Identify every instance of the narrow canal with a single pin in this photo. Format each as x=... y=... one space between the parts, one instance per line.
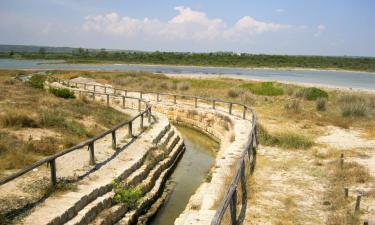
x=190 y=172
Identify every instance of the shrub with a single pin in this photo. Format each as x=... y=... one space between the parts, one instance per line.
x=311 y=93
x=17 y=119
x=293 y=106
x=62 y=92
x=37 y=81
x=130 y=196
x=320 y=104
x=184 y=86
x=263 y=88
x=233 y=93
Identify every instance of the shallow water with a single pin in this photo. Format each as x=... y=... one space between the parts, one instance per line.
x=361 y=80
x=190 y=172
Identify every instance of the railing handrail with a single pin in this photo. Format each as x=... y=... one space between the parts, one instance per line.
x=80 y=145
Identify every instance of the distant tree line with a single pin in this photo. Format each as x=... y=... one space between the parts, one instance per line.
x=81 y=55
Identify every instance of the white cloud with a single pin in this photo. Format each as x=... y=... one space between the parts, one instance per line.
x=321 y=28
x=280 y=10
x=187 y=24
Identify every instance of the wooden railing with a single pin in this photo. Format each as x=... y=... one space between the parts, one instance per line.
x=247 y=160
x=90 y=143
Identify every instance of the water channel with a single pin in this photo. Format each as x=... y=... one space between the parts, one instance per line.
x=190 y=172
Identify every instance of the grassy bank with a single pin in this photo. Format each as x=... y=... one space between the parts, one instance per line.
x=35 y=123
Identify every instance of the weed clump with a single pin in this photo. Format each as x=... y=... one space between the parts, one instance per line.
x=320 y=104
x=356 y=105
x=130 y=196
x=184 y=86
x=232 y=93
x=263 y=88
x=62 y=92
x=12 y=118
x=293 y=106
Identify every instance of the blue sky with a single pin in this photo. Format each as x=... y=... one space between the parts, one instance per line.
x=314 y=27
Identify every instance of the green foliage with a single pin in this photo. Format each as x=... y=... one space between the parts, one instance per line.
x=288 y=140
x=37 y=81
x=130 y=196
x=312 y=93
x=198 y=59
x=263 y=88
x=62 y=92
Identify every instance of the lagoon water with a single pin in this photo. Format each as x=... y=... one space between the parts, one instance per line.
x=360 y=80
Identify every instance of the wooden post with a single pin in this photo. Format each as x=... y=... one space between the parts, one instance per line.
x=140 y=94
x=346 y=192
x=80 y=93
x=126 y=93
x=93 y=96
x=342 y=160
x=175 y=99
x=123 y=102
x=141 y=123
x=195 y=102
x=130 y=129
x=139 y=105
x=157 y=97
x=105 y=90
x=213 y=104
x=358 y=203
x=107 y=99
x=233 y=208
x=244 y=113
x=94 y=88
x=92 y=154
x=53 y=172
x=230 y=108
x=114 y=144
x=149 y=115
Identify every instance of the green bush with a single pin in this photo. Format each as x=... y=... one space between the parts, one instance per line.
x=37 y=81
x=130 y=196
x=62 y=92
x=311 y=93
x=263 y=88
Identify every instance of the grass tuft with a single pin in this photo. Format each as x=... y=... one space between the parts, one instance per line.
x=311 y=93
x=62 y=92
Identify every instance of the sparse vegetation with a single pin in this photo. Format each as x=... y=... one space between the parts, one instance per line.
x=355 y=105
x=293 y=106
x=37 y=81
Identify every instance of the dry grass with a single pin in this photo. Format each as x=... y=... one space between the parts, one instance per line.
x=26 y=107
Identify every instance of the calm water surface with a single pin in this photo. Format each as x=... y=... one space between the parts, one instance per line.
x=333 y=78
x=190 y=172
